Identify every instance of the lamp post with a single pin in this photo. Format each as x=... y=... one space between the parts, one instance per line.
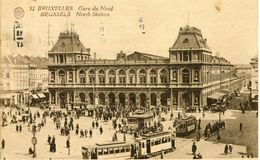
x=34 y=140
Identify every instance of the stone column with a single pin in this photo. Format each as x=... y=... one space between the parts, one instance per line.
x=57 y=99
x=137 y=77
x=148 y=77
x=126 y=99
x=50 y=95
x=126 y=76
x=106 y=99
x=158 y=76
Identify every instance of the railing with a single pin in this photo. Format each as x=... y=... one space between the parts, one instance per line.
x=126 y=62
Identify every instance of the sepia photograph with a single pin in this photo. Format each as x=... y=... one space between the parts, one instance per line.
x=128 y=79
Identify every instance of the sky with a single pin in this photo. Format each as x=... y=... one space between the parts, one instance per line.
x=230 y=26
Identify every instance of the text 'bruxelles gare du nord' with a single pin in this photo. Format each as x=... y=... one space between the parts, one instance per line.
x=82 y=10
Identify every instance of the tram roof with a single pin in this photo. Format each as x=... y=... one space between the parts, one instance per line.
x=156 y=134
x=141 y=116
x=107 y=145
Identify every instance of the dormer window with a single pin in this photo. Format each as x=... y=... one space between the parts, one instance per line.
x=185 y=40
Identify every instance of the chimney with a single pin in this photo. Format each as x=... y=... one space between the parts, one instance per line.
x=94 y=55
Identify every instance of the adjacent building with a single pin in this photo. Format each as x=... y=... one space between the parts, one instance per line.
x=187 y=78
x=21 y=76
x=254 y=82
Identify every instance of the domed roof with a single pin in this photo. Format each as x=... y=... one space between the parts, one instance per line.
x=190 y=38
x=69 y=42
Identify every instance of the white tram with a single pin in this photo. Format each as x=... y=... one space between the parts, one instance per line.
x=113 y=150
x=147 y=145
x=152 y=144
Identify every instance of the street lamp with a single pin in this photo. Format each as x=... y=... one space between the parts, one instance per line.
x=34 y=140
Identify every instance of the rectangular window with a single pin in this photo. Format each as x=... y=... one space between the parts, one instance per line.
x=112 y=151
x=142 y=80
x=117 y=150
x=100 y=151
x=105 y=151
x=121 y=80
x=82 y=80
x=91 y=79
x=174 y=76
x=122 y=149
x=196 y=76
x=61 y=58
x=185 y=56
x=131 y=79
x=70 y=77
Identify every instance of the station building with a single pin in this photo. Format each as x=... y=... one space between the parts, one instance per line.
x=187 y=78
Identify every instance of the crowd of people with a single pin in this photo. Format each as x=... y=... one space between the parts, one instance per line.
x=67 y=124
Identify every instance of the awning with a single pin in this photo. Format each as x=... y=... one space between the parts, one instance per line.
x=35 y=96
x=41 y=95
x=225 y=91
x=216 y=95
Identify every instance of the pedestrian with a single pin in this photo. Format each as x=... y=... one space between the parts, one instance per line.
x=218 y=138
x=17 y=128
x=77 y=131
x=124 y=137
x=241 y=126
x=81 y=133
x=97 y=124
x=93 y=124
x=101 y=130
x=86 y=133
x=20 y=128
x=68 y=143
x=3 y=143
x=194 y=148
x=53 y=140
x=49 y=139
x=90 y=133
x=203 y=114
x=230 y=148
x=226 y=149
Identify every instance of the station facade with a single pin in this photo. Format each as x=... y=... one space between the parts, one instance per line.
x=184 y=79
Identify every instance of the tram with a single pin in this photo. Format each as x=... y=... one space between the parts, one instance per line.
x=113 y=150
x=185 y=126
x=146 y=146
x=152 y=144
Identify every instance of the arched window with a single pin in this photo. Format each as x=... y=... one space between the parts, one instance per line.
x=142 y=76
x=185 y=76
x=70 y=76
x=82 y=76
x=91 y=75
x=52 y=76
x=101 y=77
x=131 y=76
x=112 y=77
x=122 y=76
x=163 y=76
x=62 y=77
x=153 y=76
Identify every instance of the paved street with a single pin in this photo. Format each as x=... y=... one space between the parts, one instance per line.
x=17 y=144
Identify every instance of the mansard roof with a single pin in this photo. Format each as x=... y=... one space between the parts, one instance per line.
x=143 y=56
x=190 y=38
x=69 y=42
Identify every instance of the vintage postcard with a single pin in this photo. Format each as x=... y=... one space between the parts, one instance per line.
x=129 y=79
